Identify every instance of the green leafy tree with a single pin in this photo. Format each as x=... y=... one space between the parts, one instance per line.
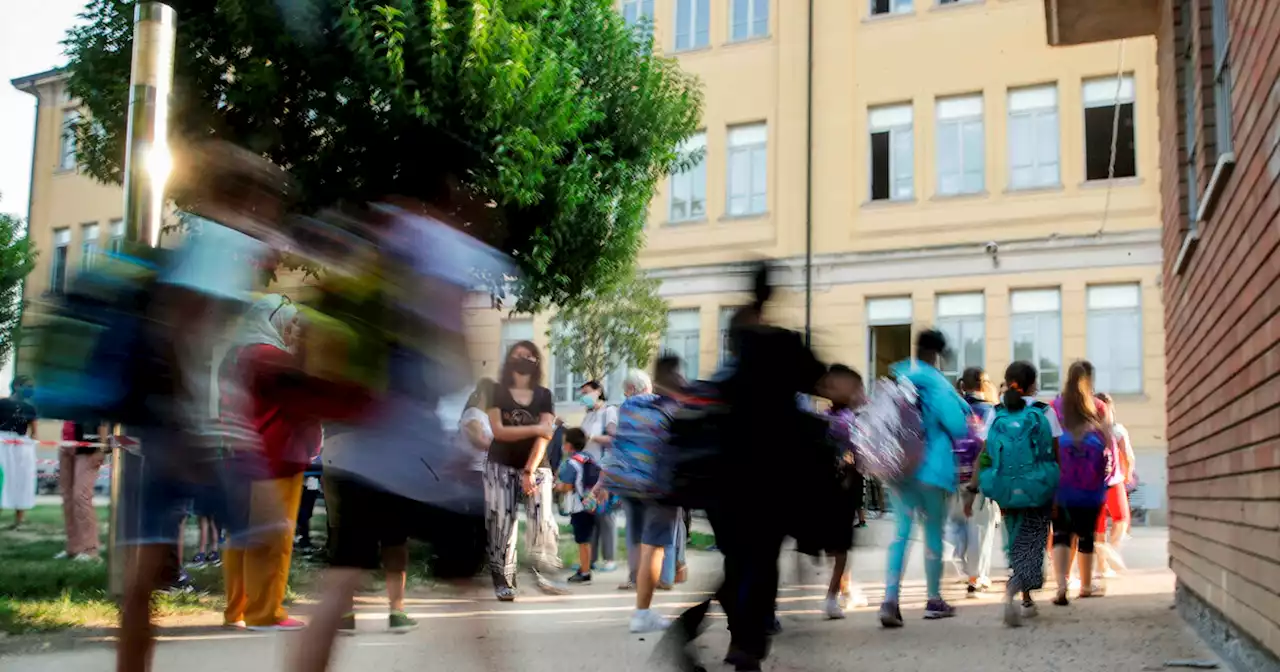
x=548 y=113
x=617 y=325
x=17 y=259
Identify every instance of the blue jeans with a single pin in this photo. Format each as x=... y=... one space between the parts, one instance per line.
x=930 y=503
x=674 y=554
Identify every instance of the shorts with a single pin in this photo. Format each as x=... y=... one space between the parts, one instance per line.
x=166 y=493
x=828 y=527
x=363 y=520
x=584 y=526
x=1077 y=521
x=650 y=523
x=1116 y=507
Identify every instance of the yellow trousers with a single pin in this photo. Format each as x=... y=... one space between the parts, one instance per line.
x=257 y=576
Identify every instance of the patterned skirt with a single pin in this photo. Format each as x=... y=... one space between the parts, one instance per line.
x=1025 y=533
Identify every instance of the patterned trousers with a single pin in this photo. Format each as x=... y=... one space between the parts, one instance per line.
x=503 y=494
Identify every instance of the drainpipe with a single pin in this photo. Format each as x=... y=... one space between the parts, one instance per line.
x=808 y=192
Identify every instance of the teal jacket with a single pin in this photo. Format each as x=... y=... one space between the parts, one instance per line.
x=945 y=418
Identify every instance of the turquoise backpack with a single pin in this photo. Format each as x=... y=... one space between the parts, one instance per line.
x=1023 y=473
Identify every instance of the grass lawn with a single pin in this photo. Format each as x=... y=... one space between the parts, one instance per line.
x=40 y=594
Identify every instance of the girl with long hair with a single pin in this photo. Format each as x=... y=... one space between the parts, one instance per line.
x=522 y=416
x=1087 y=464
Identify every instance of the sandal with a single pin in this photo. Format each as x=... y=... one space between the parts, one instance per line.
x=1061 y=600
x=1093 y=590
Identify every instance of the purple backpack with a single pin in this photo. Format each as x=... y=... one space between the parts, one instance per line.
x=966 y=450
x=889 y=432
x=1085 y=464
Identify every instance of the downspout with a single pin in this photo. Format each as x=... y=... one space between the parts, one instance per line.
x=808 y=193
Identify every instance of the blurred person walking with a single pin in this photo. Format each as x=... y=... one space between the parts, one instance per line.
x=267 y=389
x=78 y=468
x=973 y=536
x=18 y=451
x=522 y=415
x=1116 y=506
x=944 y=416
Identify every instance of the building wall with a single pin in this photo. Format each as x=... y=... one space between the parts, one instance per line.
x=1222 y=315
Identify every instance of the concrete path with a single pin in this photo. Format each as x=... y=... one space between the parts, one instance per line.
x=1133 y=628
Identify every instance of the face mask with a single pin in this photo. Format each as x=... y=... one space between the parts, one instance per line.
x=588 y=401
x=524 y=367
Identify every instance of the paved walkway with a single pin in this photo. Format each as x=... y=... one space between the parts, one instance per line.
x=1133 y=628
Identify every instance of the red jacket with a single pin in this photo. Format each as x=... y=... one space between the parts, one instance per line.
x=284 y=405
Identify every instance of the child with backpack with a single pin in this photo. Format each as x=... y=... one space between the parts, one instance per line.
x=578 y=474
x=1087 y=462
x=1018 y=470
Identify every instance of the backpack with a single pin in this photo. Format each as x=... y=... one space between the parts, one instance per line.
x=966 y=449
x=1087 y=464
x=1022 y=473
x=91 y=355
x=889 y=432
x=692 y=470
x=639 y=447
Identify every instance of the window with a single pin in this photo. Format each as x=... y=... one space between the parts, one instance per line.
x=1033 y=137
x=962 y=318
x=689 y=187
x=1036 y=332
x=681 y=339
x=67 y=148
x=58 y=271
x=514 y=331
x=961 y=163
x=890 y=7
x=726 y=316
x=693 y=24
x=116 y=243
x=1108 y=113
x=748 y=161
x=88 y=245
x=634 y=12
x=1221 y=79
x=1114 y=335
x=892 y=154
x=748 y=19
x=564 y=385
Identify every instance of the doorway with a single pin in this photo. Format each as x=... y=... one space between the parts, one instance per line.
x=890 y=343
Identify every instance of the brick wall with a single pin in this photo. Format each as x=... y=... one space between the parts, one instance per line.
x=1222 y=321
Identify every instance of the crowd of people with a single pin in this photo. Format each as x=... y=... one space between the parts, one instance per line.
x=301 y=383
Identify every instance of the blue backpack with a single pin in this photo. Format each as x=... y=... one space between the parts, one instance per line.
x=1022 y=473
x=637 y=453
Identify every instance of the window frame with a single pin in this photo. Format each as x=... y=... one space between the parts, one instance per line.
x=1119 y=100
x=690 y=365
x=725 y=317
x=694 y=14
x=693 y=174
x=116 y=243
x=639 y=6
x=1037 y=315
x=960 y=123
x=67 y=161
x=1122 y=311
x=1223 y=124
x=896 y=8
x=753 y=150
x=1034 y=115
x=90 y=234
x=59 y=267
x=960 y=320
x=751 y=21
x=895 y=131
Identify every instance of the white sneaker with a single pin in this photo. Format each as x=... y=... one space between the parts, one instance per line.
x=62 y=555
x=1030 y=610
x=85 y=557
x=647 y=620
x=833 y=610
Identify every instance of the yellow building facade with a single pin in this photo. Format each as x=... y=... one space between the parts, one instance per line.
x=951 y=170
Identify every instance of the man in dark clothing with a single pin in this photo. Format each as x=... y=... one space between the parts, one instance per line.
x=770 y=444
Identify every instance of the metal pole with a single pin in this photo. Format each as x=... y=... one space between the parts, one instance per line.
x=808 y=193
x=146 y=168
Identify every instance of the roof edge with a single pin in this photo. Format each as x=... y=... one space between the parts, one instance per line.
x=28 y=83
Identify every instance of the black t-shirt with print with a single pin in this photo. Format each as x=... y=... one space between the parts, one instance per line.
x=16 y=415
x=516 y=453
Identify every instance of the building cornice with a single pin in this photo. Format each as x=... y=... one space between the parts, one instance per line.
x=30 y=83
x=1129 y=248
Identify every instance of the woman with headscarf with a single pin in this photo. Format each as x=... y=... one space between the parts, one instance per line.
x=262 y=385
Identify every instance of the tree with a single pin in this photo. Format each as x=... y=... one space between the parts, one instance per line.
x=617 y=325
x=549 y=112
x=17 y=259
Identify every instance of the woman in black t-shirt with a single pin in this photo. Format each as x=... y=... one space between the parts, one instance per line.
x=522 y=415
